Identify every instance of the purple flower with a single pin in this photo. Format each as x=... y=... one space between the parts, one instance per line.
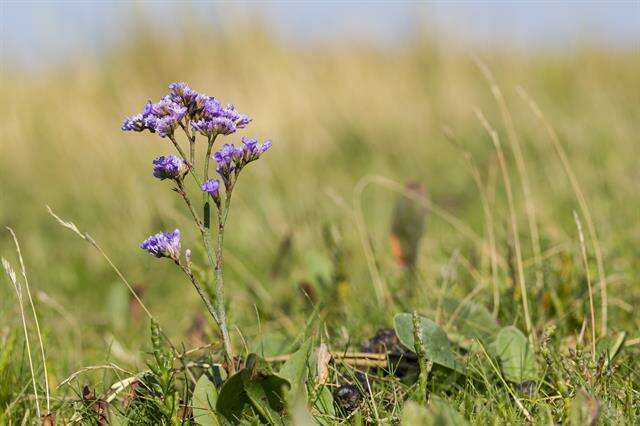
x=163 y=244
x=212 y=187
x=227 y=158
x=206 y=114
x=216 y=120
x=161 y=117
x=252 y=150
x=169 y=167
x=183 y=94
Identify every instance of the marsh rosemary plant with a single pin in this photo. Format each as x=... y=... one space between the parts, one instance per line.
x=191 y=113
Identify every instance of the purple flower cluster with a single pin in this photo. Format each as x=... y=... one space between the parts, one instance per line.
x=169 y=167
x=231 y=158
x=206 y=114
x=164 y=244
x=216 y=120
x=212 y=187
x=161 y=117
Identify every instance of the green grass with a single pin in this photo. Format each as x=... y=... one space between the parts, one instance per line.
x=310 y=216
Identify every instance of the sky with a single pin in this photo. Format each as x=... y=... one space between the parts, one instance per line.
x=36 y=33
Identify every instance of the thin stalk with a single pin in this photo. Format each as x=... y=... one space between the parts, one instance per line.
x=582 y=201
x=513 y=219
x=204 y=231
x=220 y=306
x=35 y=317
x=183 y=193
x=583 y=250
x=206 y=206
x=207 y=157
x=18 y=289
x=521 y=167
x=192 y=171
x=180 y=151
x=85 y=236
x=192 y=142
x=425 y=366
x=200 y=290
x=484 y=200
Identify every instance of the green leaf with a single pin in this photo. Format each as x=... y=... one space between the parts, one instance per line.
x=516 y=355
x=255 y=385
x=204 y=399
x=232 y=398
x=296 y=367
x=324 y=406
x=437 y=413
x=436 y=344
x=472 y=320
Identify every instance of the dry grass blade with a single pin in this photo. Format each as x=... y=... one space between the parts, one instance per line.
x=521 y=167
x=35 y=318
x=513 y=219
x=488 y=217
x=582 y=201
x=18 y=289
x=72 y=226
x=583 y=250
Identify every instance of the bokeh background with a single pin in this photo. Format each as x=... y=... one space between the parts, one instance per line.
x=344 y=90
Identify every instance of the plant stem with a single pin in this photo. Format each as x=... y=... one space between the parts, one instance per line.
x=200 y=291
x=220 y=308
x=192 y=142
x=425 y=366
x=183 y=193
x=192 y=171
x=207 y=158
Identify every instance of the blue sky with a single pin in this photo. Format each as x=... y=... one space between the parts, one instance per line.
x=40 y=32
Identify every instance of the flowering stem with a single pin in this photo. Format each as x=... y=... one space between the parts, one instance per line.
x=210 y=143
x=192 y=141
x=180 y=151
x=220 y=308
x=180 y=190
x=184 y=157
x=204 y=232
x=200 y=291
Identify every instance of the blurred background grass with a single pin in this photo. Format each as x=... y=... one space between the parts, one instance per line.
x=336 y=111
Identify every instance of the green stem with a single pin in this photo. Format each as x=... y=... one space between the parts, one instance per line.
x=220 y=306
x=201 y=292
x=183 y=193
x=192 y=171
x=424 y=364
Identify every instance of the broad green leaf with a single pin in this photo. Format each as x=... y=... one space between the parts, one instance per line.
x=255 y=385
x=472 y=320
x=204 y=399
x=296 y=367
x=515 y=355
x=437 y=345
x=232 y=398
x=437 y=413
x=324 y=406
